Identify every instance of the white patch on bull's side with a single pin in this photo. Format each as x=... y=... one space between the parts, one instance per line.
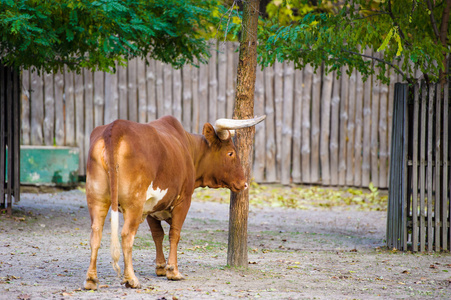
x=153 y=196
x=156 y=193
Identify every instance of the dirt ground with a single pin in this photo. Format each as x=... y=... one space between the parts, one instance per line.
x=293 y=254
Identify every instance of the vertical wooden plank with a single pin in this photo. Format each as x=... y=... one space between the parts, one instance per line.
x=306 y=133
x=326 y=96
x=438 y=161
x=375 y=96
x=287 y=123
x=222 y=82
x=177 y=94
x=351 y=129
x=195 y=91
x=334 y=134
x=203 y=96
x=111 y=110
x=343 y=127
x=37 y=109
x=132 y=90
x=429 y=166
x=122 y=92
x=315 y=113
x=231 y=79
x=142 y=91
x=383 y=152
x=16 y=138
x=358 y=131
x=393 y=78
x=404 y=213
x=25 y=112
x=187 y=97
x=423 y=125
x=80 y=121
x=446 y=211
x=3 y=112
x=366 y=158
x=58 y=80
x=9 y=136
x=167 y=87
x=99 y=97
x=151 y=96
x=212 y=86
x=159 y=66
x=271 y=171
x=416 y=109
x=259 y=149
x=297 y=126
x=89 y=109
x=278 y=108
x=70 y=107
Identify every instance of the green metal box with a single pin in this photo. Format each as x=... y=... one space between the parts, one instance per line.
x=48 y=165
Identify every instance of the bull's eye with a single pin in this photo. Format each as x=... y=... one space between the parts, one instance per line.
x=230 y=154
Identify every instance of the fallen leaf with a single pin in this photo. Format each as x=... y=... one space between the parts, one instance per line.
x=433 y=267
x=405 y=272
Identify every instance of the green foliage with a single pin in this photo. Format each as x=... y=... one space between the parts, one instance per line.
x=402 y=29
x=96 y=34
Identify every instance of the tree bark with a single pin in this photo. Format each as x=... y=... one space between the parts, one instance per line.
x=244 y=109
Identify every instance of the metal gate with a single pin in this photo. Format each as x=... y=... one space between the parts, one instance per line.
x=419 y=201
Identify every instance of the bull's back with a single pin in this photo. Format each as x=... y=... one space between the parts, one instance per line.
x=140 y=153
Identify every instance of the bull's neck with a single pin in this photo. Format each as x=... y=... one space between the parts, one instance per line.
x=198 y=147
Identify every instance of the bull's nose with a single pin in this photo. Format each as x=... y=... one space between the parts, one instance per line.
x=246 y=186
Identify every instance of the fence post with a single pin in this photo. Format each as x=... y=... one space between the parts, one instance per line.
x=397 y=199
x=9 y=137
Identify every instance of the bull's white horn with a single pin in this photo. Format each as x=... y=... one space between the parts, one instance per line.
x=222 y=126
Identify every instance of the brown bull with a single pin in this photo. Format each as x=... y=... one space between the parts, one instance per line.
x=150 y=171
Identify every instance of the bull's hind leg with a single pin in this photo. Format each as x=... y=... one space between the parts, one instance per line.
x=132 y=218
x=158 y=236
x=98 y=210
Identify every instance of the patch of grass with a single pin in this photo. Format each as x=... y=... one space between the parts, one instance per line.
x=303 y=197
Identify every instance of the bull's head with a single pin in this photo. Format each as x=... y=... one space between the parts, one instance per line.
x=222 y=166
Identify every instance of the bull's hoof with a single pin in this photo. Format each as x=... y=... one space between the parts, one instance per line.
x=173 y=274
x=91 y=284
x=132 y=283
x=160 y=269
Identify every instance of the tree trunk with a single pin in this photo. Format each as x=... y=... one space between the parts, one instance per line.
x=244 y=109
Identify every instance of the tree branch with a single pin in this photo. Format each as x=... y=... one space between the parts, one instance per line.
x=392 y=16
x=396 y=68
x=433 y=22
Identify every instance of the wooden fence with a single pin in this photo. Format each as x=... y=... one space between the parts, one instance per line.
x=419 y=200
x=319 y=129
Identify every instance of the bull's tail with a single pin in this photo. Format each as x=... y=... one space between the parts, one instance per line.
x=112 y=171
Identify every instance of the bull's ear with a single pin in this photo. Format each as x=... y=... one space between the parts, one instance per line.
x=209 y=133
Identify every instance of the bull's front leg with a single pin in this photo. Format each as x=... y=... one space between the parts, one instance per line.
x=158 y=236
x=178 y=217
